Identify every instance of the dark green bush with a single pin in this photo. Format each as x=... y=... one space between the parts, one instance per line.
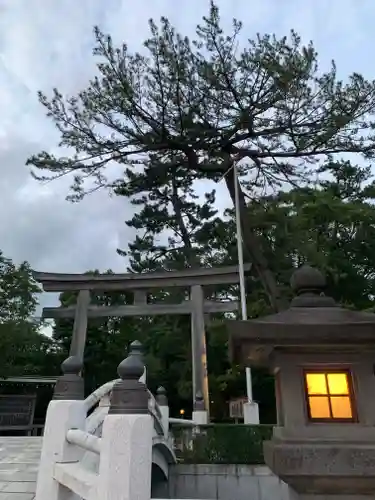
x=221 y=443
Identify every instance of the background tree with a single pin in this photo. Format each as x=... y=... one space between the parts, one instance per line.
x=202 y=105
x=17 y=291
x=330 y=226
x=171 y=211
x=24 y=350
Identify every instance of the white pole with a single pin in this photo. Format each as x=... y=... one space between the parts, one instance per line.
x=249 y=388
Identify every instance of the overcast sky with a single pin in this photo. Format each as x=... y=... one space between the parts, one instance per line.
x=48 y=43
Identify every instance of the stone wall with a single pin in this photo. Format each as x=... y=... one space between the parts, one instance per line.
x=226 y=482
x=233 y=482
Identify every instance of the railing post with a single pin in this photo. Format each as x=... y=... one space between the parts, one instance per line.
x=70 y=386
x=162 y=401
x=126 y=449
x=65 y=411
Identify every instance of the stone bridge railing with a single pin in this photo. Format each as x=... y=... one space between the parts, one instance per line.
x=101 y=396
x=125 y=445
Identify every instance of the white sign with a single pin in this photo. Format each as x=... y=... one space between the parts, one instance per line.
x=236 y=407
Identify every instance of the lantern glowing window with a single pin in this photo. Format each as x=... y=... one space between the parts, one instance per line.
x=329 y=396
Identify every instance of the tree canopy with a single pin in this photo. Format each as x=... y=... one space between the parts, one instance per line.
x=17 y=291
x=24 y=350
x=185 y=110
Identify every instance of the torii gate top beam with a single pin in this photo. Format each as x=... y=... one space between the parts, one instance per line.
x=59 y=282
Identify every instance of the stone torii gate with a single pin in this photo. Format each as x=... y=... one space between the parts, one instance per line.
x=140 y=284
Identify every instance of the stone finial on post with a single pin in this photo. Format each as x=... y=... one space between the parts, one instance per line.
x=70 y=385
x=200 y=415
x=137 y=350
x=126 y=452
x=161 y=396
x=129 y=395
x=162 y=401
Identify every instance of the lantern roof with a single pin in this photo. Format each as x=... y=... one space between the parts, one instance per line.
x=313 y=319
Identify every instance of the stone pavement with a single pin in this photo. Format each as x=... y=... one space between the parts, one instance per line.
x=19 y=460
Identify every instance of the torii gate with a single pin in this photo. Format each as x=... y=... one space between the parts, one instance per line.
x=140 y=284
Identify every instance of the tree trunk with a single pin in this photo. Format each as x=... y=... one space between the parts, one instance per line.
x=253 y=246
x=188 y=247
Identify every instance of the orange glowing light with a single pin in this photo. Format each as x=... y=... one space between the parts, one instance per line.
x=328 y=396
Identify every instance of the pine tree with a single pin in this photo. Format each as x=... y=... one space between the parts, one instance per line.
x=210 y=102
x=170 y=219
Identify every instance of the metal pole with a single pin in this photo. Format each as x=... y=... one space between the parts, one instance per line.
x=249 y=389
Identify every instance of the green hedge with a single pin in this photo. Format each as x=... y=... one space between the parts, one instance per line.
x=221 y=443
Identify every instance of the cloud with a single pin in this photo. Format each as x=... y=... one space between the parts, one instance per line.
x=50 y=48
x=46 y=44
x=38 y=225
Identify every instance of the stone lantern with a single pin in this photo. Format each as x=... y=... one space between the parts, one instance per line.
x=323 y=360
